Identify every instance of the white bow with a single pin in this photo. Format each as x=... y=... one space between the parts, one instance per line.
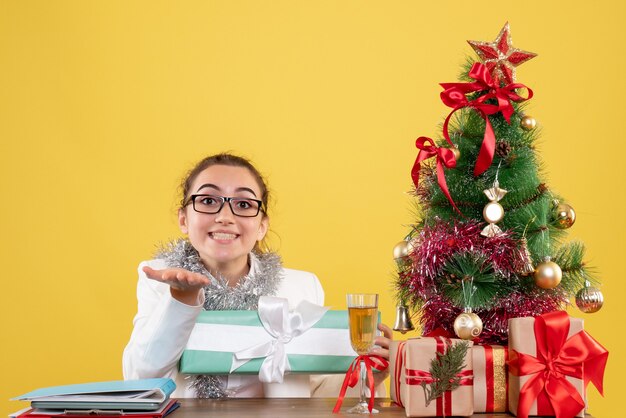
x=282 y=326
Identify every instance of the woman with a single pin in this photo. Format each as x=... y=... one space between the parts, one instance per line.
x=223 y=213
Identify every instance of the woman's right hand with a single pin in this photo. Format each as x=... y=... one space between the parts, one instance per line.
x=185 y=285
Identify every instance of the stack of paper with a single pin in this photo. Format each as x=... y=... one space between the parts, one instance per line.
x=144 y=398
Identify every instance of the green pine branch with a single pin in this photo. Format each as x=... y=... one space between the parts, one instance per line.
x=469 y=281
x=445 y=369
x=570 y=258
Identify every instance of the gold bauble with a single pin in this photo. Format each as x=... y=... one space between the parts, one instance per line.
x=528 y=123
x=456 y=152
x=564 y=216
x=548 y=274
x=493 y=212
x=589 y=299
x=402 y=250
x=468 y=326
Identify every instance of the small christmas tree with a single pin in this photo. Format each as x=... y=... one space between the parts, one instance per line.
x=488 y=244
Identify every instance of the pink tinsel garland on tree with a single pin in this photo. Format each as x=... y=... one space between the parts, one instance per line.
x=436 y=244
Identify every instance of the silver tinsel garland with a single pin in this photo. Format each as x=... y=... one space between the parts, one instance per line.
x=263 y=279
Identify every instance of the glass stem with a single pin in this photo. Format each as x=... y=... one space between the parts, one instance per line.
x=363 y=385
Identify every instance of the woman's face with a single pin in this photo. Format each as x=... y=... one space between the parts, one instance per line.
x=223 y=239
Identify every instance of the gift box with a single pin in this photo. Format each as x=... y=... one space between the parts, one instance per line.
x=410 y=363
x=270 y=341
x=551 y=360
x=395 y=369
x=490 y=378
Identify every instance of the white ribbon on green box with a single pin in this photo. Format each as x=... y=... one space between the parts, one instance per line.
x=270 y=341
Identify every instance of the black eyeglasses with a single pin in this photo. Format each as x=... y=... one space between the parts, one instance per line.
x=239 y=206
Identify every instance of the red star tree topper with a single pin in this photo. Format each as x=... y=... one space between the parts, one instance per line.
x=500 y=56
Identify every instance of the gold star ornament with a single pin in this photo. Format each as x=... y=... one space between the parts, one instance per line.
x=500 y=56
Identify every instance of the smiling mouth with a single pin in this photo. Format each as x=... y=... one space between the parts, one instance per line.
x=222 y=236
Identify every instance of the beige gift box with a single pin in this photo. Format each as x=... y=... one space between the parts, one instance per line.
x=413 y=356
x=522 y=339
x=490 y=378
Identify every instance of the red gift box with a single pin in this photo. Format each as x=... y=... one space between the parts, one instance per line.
x=490 y=378
x=410 y=364
x=551 y=361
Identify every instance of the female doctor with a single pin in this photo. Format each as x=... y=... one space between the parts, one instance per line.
x=219 y=266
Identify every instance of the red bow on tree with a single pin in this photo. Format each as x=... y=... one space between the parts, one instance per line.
x=580 y=356
x=454 y=96
x=445 y=157
x=353 y=374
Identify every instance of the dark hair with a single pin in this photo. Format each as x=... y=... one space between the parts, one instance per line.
x=223 y=159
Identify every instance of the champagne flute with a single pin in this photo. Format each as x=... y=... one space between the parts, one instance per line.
x=363 y=315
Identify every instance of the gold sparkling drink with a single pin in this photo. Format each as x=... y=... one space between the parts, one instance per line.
x=363 y=322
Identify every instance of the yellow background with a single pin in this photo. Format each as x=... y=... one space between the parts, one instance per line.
x=104 y=106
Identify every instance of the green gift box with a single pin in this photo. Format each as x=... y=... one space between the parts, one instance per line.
x=219 y=337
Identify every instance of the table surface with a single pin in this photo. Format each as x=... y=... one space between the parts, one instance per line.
x=294 y=407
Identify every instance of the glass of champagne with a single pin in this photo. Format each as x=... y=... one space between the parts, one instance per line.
x=363 y=315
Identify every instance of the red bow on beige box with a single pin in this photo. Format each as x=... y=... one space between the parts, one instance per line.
x=579 y=356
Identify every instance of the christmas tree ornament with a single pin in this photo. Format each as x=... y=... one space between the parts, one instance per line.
x=528 y=123
x=548 y=274
x=468 y=325
x=528 y=268
x=456 y=152
x=402 y=250
x=564 y=216
x=403 y=319
x=500 y=56
x=493 y=212
x=589 y=299
x=503 y=149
